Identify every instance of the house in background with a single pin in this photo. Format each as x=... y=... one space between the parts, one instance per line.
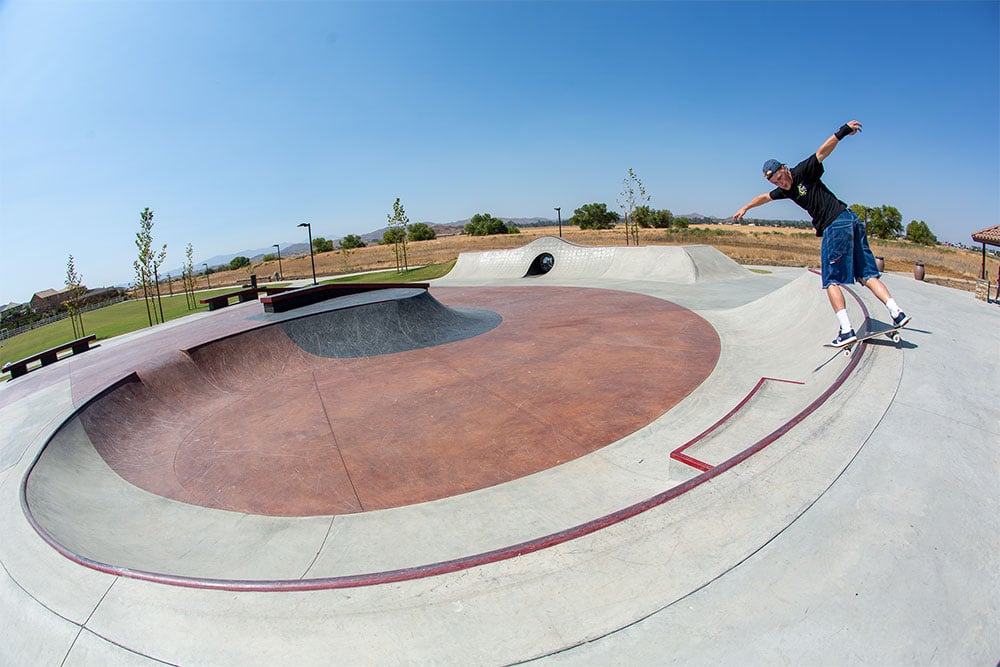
x=12 y=308
x=53 y=300
x=48 y=300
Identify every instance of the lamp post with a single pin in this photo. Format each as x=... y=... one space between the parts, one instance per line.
x=207 y=277
x=281 y=274
x=559 y=215
x=311 y=260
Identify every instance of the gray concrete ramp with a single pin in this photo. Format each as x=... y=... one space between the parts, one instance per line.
x=665 y=264
x=790 y=505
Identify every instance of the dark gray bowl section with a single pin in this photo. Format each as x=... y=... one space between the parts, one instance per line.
x=395 y=325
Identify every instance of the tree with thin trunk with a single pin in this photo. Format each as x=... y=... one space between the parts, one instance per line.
x=146 y=264
x=632 y=195
x=188 y=274
x=398 y=226
x=74 y=290
x=157 y=263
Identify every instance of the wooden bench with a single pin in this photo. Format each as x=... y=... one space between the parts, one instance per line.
x=49 y=356
x=222 y=300
x=246 y=293
x=305 y=296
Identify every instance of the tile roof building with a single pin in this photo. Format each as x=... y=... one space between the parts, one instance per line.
x=988 y=236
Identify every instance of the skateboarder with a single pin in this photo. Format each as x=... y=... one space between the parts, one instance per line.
x=844 y=252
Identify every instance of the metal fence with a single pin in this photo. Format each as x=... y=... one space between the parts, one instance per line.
x=61 y=315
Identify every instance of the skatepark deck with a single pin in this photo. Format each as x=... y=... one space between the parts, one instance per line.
x=846 y=509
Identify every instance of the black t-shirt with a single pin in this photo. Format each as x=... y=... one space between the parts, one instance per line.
x=811 y=194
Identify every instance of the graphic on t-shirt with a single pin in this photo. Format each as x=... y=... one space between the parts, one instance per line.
x=802 y=190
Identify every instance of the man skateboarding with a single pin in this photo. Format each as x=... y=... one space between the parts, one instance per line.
x=844 y=252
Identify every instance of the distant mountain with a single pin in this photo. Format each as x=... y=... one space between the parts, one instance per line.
x=253 y=255
x=456 y=227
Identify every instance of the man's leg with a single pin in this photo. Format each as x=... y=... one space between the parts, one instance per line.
x=879 y=289
x=868 y=274
x=836 y=255
x=836 y=296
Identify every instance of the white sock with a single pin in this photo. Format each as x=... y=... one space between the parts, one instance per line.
x=845 y=321
x=893 y=308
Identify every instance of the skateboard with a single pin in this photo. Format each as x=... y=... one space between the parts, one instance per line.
x=892 y=333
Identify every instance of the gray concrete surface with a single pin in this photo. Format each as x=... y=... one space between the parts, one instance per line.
x=868 y=533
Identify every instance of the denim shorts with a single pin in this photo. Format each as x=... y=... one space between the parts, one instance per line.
x=845 y=254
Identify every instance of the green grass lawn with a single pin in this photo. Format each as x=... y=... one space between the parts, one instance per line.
x=104 y=322
x=129 y=316
x=423 y=274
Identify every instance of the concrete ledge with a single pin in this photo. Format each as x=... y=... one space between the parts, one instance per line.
x=305 y=296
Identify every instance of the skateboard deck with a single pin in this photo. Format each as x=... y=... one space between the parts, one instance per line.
x=892 y=333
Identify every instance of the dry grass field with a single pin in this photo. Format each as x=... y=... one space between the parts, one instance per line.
x=761 y=246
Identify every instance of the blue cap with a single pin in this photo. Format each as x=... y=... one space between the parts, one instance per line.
x=770 y=167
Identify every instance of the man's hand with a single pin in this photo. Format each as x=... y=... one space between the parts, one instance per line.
x=759 y=200
x=847 y=129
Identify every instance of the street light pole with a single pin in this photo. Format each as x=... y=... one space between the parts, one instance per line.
x=281 y=274
x=207 y=277
x=559 y=214
x=311 y=260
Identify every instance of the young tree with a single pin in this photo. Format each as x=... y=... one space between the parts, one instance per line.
x=147 y=267
x=144 y=262
x=399 y=222
x=594 y=216
x=188 y=273
x=75 y=290
x=628 y=199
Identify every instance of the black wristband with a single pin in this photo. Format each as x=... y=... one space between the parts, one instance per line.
x=844 y=130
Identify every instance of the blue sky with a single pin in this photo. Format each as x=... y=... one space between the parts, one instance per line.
x=235 y=120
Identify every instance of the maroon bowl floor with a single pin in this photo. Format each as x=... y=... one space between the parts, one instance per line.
x=253 y=424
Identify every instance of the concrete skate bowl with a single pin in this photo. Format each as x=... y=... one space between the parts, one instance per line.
x=233 y=457
x=551 y=259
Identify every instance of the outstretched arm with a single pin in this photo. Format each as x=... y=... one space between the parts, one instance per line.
x=846 y=129
x=759 y=200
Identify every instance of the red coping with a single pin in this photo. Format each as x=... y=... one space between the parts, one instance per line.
x=679 y=455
